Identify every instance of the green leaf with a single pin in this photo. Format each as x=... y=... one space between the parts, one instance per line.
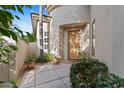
x=20 y=9
x=19 y=31
x=6 y=18
x=13 y=47
x=5 y=62
x=17 y=17
x=9 y=7
x=29 y=35
x=13 y=83
x=28 y=6
x=13 y=35
x=7 y=50
x=4 y=32
x=9 y=34
x=13 y=7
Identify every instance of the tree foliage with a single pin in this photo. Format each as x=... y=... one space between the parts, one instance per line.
x=6 y=51
x=7 y=29
x=30 y=37
x=6 y=22
x=6 y=19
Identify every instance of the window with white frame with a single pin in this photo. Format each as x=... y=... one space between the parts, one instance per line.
x=46 y=46
x=46 y=36
x=46 y=40
x=46 y=33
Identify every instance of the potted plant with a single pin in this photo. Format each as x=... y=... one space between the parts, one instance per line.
x=30 y=62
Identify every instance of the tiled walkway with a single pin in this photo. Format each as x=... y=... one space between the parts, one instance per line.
x=47 y=76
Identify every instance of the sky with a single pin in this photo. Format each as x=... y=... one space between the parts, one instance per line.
x=25 y=20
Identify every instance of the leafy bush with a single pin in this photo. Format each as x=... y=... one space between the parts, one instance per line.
x=39 y=59
x=30 y=37
x=31 y=59
x=84 y=74
x=6 y=51
x=109 y=81
x=90 y=73
x=47 y=57
x=84 y=54
x=8 y=84
x=13 y=84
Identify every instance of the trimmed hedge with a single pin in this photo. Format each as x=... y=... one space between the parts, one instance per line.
x=90 y=73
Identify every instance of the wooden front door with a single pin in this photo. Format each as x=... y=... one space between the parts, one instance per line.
x=73 y=44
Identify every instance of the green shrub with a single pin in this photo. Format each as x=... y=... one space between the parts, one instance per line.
x=84 y=54
x=39 y=59
x=31 y=59
x=110 y=81
x=84 y=74
x=13 y=84
x=8 y=84
x=47 y=57
x=30 y=37
x=90 y=73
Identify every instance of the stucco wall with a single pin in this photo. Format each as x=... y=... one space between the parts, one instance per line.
x=118 y=40
x=21 y=55
x=63 y=15
x=110 y=36
x=32 y=48
x=4 y=72
x=25 y=49
x=10 y=72
x=103 y=34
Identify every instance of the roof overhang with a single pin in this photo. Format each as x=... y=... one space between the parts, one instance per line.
x=50 y=8
x=35 y=19
x=46 y=18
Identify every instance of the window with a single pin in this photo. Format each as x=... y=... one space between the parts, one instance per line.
x=45 y=33
x=93 y=38
x=46 y=28
x=46 y=40
x=45 y=46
